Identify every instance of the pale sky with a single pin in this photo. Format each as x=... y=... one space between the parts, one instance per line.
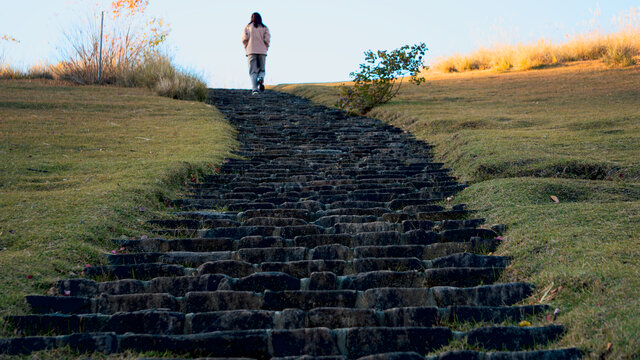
x=312 y=41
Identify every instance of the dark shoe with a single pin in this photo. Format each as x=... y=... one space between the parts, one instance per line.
x=261 y=84
x=255 y=92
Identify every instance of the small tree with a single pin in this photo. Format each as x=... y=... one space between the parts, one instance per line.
x=380 y=77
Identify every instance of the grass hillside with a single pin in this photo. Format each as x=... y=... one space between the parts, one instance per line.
x=80 y=165
x=571 y=131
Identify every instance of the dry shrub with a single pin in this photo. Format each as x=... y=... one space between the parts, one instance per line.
x=158 y=73
x=122 y=49
x=447 y=64
x=502 y=59
x=591 y=46
x=40 y=71
x=149 y=72
x=9 y=72
x=6 y=70
x=35 y=72
x=128 y=59
x=475 y=61
x=623 y=47
x=182 y=86
x=620 y=55
x=535 y=57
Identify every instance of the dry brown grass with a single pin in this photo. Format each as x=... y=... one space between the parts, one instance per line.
x=618 y=49
x=38 y=71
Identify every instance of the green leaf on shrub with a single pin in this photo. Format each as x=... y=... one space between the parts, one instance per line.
x=380 y=77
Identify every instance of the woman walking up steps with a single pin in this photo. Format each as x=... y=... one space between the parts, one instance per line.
x=256 y=38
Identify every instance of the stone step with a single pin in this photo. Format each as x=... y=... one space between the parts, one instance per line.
x=206 y=215
x=377 y=211
x=441 y=215
x=309 y=205
x=305 y=268
x=135 y=271
x=289 y=213
x=259 y=281
x=156 y=245
x=408 y=225
x=175 y=323
x=240 y=206
x=149 y=261
x=438 y=256
x=287 y=232
x=426 y=252
x=349 y=342
x=357 y=204
x=369 y=227
x=402 y=204
x=273 y=221
x=202 y=301
x=296 y=236
x=330 y=221
x=183 y=258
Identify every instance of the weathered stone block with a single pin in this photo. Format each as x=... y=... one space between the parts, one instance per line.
x=147 y=322
x=316 y=342
x=368 y=341
x=232 y=268
x=306 y=300
x=331 y=252
x=387 y=298
x=382 y=279
x=59 y=304
x=222 y=300
x=411 y=317
x=513 y=337
x=323 y=280
x=230 y=320
x=111 y=304
x=336 y=318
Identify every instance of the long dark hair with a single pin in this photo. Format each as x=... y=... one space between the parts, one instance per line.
x=256 y=20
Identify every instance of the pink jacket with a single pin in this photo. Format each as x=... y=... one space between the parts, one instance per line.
x=256 y=39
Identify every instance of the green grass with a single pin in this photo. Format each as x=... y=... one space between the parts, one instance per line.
x=586 y=244
x=81 y=165
x=518 y=138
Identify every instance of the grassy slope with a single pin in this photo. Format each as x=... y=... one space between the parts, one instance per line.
x=520 y=137
x=109 y=155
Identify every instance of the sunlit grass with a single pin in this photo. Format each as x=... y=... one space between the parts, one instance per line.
x=571 y=131
x=618 y=49
x=82 y=164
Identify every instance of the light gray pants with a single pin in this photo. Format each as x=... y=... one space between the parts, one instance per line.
x=256 y=68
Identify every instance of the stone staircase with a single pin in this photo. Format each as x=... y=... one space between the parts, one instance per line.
x=326 y=237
